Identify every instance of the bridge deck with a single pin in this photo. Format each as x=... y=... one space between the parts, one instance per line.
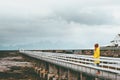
x=109 y=67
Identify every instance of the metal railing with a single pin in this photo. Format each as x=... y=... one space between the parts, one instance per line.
x=74 y=61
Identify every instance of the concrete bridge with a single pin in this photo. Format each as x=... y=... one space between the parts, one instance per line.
x=60 y=66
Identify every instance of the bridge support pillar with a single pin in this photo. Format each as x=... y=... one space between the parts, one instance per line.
x=63 y=74
x=53 y=71
x=72 y=75
x=81 y=76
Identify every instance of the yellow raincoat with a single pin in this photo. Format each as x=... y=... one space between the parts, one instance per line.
x=97 y=55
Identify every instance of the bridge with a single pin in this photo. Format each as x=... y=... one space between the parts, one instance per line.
x=74 y=66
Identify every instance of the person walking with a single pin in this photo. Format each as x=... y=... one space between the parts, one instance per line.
x=97 y=56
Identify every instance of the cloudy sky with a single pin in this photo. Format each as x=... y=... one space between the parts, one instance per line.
x=58 y=24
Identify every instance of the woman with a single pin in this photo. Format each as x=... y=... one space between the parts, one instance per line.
x=97 y=56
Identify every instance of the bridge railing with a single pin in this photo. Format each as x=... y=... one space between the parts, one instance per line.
x=74 y=61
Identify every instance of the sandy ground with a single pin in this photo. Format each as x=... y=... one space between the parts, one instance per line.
x=14 y=66
x=8 y=62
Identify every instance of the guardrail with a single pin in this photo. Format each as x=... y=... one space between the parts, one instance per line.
x=74 y=61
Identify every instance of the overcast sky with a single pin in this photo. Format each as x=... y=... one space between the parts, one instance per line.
x=58 y=24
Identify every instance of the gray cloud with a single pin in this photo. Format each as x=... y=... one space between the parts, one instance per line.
x=94 y=17
x=57 y=24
